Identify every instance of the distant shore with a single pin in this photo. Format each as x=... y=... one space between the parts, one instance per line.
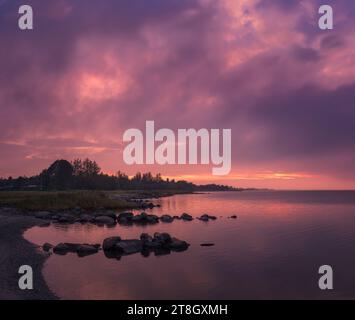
x=89 y=200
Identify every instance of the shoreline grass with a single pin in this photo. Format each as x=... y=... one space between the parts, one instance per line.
x=61 y=200
x=85 y=199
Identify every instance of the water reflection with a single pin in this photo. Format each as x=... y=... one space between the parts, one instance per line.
x=273 y=250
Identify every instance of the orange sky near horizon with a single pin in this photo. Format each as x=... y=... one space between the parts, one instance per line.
x=91 y=70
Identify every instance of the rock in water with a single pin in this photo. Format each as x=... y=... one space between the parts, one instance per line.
x=61 y=249
x=161 y=251
x=104 y=220
x=207 y=244
x=125 y=218
x=166 y=218
x=140 y=218
x=147 y=205
x=186 y=217
x=145 y=218
x=129 y=246
x=152 y=219
x=87 y=249
x=206 y=217
x=178 y=245
x=151 y=245
x=84 y=218
x=145 y=237
x=72 y=247
x=162 y=237
x=81 y=249
x=127 y=215
x=47 y=247
x=110 y=243
x=110 y=214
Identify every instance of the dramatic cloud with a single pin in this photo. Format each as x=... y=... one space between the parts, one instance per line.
x=92 y=69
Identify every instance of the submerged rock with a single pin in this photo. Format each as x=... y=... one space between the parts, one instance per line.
x=152 y=245
x=125 y=215
x=84 y=218
x=161 y=251
x=125 y=218
x=81 y=249
x=115 y=247
x=186 y=217
x=112 y=254
x=166 y=218
x=162 y=237
x=152 y=219
x=177 y=245
x=61 y=249
x=87 y=249
x=72 y=247
x=125 y=221
x=144 y=218
x=129 y=246
x=110 y=214
x=139 y=218
x=207 y=244
x=47 y=247
x=104 y=220
x=110 y=243
x=206 y=217
x=162 y=244
x=146 y=205
x=165 y=241
x=145 y=237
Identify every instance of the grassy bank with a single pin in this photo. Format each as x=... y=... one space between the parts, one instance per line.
x=64 y=200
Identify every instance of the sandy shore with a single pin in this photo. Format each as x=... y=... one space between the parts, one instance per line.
x=16 y=251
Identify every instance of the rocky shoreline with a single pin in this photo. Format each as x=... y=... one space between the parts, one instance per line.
x=115 y=247
x=15 y=251
x=111 y=218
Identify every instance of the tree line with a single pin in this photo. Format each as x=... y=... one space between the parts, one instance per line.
x=87 y=175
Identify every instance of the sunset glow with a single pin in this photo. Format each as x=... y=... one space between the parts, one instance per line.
x=261 y=68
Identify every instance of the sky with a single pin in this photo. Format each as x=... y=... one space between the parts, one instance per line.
x=92 y=69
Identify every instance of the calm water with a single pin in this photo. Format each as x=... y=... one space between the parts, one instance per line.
x=273 y=250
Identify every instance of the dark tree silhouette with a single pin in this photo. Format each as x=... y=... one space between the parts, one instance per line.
x=58 y=175
x=86 y=168
x=86 y=174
